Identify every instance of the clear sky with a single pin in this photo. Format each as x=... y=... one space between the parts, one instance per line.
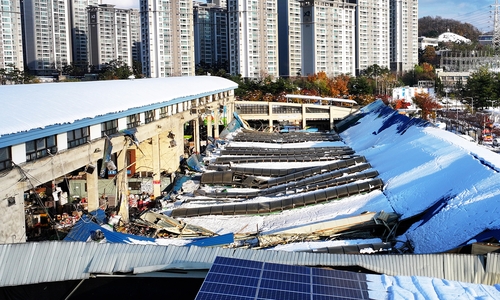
x=477 y=12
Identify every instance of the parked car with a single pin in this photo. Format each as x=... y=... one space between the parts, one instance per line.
x=496 y=141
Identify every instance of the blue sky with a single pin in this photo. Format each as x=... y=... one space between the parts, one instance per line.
x=477 y=12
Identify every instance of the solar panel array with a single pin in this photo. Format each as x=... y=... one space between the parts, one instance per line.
x=231 y=278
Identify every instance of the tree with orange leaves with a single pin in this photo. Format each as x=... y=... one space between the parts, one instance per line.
x=330 y=87
x=427 y=104
x=401 y=104
x=339 y=86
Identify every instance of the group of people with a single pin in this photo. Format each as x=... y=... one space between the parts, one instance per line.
x=142 y=201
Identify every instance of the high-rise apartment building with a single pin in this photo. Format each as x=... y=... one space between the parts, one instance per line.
x=404 y=35
x=135 y=35
x=79 y=31
x=372 y=34
x=210 y=34
x=11 y=43
x=328 y=37
x=47 y=35
x=167 y=38
x=110 y=35
x=289 y=39
x=253 y=38
x=221 y=3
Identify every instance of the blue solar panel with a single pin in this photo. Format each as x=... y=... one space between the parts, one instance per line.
x=235 y=279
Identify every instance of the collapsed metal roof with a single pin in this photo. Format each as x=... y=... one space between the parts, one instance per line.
x=52 y=261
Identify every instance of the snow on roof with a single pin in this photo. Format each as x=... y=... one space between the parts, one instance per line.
x=424 y=167
x=425 y=170
x=452 y=37
x=30 y=106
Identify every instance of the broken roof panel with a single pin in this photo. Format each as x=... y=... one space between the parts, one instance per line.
x=85 y=230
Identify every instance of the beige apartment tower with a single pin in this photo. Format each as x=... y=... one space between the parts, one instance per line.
x=373 y=37
x=111 y=34
x=11 y=43
x=328 y=37
x=404 y=35
x=80 y=32
x=253 y=38
x=47 y=35
x=290 y=50
x=167 y=38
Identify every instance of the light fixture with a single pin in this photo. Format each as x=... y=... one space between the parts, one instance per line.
x=171 y=135
x=90 y=168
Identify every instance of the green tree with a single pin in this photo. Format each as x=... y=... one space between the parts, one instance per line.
x=219 y=68
x=115 y=69
x=360 y=86
x=75 y=69
x=482 y=86
x=376 y=73
x=17 y=76
x=3 y=76
x=137 y=69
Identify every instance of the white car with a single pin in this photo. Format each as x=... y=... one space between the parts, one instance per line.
x=496 y=141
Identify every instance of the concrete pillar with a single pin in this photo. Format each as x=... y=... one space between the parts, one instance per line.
x=332 y=124
x=196 y=134
x=12 y=218
x=229 y=111
x=270 y=113
x=156 y=165
x=304 y=110
x=122 y=183
x=92 y=188
x=210 y=131
x=216 y=125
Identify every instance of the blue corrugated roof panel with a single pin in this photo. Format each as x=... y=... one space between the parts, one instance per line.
x=84 y=228
x=213 y=241
x=99 y=215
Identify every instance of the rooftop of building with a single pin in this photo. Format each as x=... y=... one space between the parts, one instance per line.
x=29 y=109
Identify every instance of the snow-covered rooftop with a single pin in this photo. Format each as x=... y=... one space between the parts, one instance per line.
x=453 y=182
x=30 y=106
x=452 y=37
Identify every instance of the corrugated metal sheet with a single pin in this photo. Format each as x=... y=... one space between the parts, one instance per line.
x=492 y=272
x=83 y=229
x=54 y=261
x=218 y=240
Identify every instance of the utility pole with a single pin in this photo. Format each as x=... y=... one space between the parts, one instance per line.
x=496 y=26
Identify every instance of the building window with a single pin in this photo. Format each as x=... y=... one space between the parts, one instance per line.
x=149 y=116
x=109 y=127
x=5 y=158
x=133 y=120
x=41 y=147
x=163 y=112
x=78 y=137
